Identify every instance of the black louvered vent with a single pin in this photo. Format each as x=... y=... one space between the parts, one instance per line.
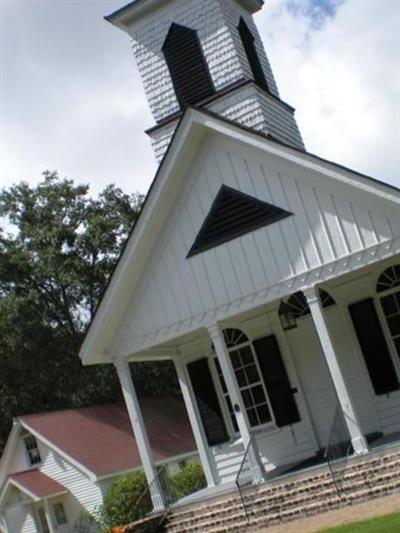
x=252 y=55
x=187 y=65
x=232 y=214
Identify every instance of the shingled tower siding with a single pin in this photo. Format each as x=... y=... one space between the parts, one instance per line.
x=236 y=95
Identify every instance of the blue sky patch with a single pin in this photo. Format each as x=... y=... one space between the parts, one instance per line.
x=316 y=10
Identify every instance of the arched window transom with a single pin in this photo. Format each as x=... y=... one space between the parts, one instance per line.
x=299 y=304
x=389 y=279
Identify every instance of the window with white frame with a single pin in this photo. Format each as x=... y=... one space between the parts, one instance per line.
x=249 y=380
x=388 y=288
x=32 y=450
x=59 y=514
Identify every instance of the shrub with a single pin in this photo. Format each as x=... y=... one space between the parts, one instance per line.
x=188 y=480
x=86 y=523
x=119 y=507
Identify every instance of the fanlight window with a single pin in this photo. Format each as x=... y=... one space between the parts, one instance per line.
x=389 y=279
x=234 y=337
x=299 y=304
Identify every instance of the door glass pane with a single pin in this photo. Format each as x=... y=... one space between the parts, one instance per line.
x=43 y=521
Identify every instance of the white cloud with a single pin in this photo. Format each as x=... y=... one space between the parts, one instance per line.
x=344 y=79
x=73 y=100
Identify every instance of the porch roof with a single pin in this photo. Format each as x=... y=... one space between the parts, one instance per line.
x=36 y=484
x=100 y=438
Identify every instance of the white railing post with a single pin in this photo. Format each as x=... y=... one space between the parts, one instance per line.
x=358 y=440
x=139 y=431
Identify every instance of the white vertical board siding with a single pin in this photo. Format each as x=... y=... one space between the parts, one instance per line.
x=82 y=489
x=329 y=222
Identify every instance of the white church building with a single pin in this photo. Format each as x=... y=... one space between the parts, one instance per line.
x=268 y=275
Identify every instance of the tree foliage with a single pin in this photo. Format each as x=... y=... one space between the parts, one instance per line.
x=188 y=480
x=58 y=247
x=120 y=506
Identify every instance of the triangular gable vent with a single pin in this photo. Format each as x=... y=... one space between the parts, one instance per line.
x=233 y=214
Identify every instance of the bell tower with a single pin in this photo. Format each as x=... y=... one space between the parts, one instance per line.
x=207 y=54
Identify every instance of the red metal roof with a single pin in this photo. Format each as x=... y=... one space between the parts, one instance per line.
x=38 y=483
x=100 y=437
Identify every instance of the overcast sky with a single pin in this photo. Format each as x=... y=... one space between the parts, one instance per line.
x=72 y=100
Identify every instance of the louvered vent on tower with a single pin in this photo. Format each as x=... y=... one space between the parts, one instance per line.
x=233 y=214
x=187 y=65
x=252 y=55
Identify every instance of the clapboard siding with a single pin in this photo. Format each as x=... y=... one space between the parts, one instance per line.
x=327 y=224
x=82 y=489
x=22 y=520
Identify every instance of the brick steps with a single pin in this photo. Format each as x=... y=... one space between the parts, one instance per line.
x=286 y=499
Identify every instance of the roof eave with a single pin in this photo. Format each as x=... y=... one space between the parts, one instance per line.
x=8 y=451
x=137 y=8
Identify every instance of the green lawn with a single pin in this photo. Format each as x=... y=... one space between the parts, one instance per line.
x=384 y=524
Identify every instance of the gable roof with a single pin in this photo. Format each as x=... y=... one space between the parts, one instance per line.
x=37 y=484
x=191 y=129
x=100 y=438
x=125 y=14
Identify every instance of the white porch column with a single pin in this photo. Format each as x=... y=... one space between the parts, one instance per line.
x=358 y=440
x=139 y=430
x=47 y=513
x=4 y=523
x=195 y=422
x=224 y=360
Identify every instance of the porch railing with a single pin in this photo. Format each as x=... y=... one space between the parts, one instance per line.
x=249 y=476
x=338 y=450
x=156 y=499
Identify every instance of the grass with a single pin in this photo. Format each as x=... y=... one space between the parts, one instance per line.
x=383 y=524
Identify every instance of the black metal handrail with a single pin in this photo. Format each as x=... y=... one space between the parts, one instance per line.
x=250 y=474
x=338 y=450
x=155 y=499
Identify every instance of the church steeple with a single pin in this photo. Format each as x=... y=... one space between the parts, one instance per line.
x=206 y=53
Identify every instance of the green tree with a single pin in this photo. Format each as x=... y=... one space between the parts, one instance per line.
x=58 y=247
